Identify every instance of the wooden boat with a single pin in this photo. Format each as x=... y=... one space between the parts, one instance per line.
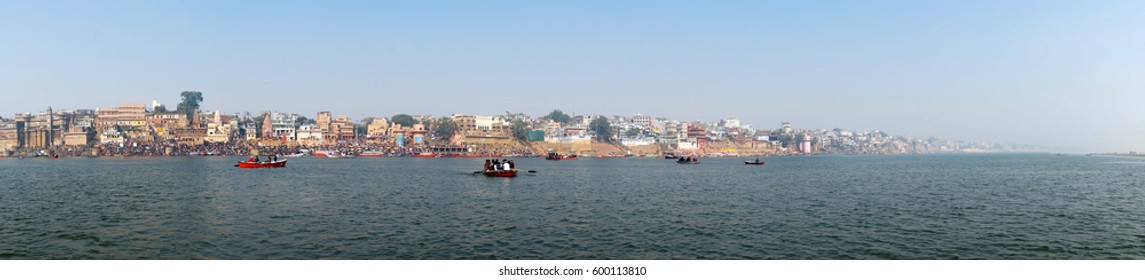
x=426 y=155
x=753 y=162
x=500 y=173
x=340 y=155
x=247 y=164
x=688 y=160
x=295 y=155
x=553 y=156
x=372 y=154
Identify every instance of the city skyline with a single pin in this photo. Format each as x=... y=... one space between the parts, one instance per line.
x=1056 y=74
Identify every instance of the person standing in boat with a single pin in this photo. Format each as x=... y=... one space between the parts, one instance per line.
x=508 y=165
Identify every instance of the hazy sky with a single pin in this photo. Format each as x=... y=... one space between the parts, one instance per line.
x=1068 y=74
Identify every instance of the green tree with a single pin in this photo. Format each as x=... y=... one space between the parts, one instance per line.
x=403 y=119
x=300 y=121
x=602 y=128
x=520 y=129
x=161 y=109
x=363 y=126
x=444 y=127
x=190 y=103
x=632 y=132
x=558 y=116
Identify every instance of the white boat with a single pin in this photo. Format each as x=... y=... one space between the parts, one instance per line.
x=295 y=155
x=340 y=155
x=372 y=154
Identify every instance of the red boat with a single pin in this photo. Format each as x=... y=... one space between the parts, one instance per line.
x=753 y=162
x=246 y=164
x=500 y=173
x=426 y=155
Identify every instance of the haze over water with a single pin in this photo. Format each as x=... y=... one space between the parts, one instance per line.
x=1016 y=206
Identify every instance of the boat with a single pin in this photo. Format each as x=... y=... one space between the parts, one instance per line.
x=756 y=162
x=426 y=155
x=295 y=155
x=323 y=153
x=671 y=156
x=372 y=154
x=688 y=160
x=500 y=173
x=340 y=155
x=247 y=164
x=555 y=156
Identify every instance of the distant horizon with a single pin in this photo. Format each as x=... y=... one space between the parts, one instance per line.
x=1059 y=74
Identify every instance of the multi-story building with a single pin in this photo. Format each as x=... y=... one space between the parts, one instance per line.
x=474 y=129
x=309 y=135
x=42 y=130
x=378 y=129
x=343 y=128
x=282 y=126
x=9 y=136
x=128 y=120
x=164 y=124
x=250 y=130
x=730 y=123
x=81 y=129
x=641 y=120
x=221 y=129
x=323 y=121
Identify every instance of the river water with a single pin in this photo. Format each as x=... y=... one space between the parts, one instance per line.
x=1009 y=206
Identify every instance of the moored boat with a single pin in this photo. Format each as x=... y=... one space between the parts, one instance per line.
x=500 y=173
x=555 y=156
x=426 y=155
x=295 y=155
x=248 y=164
x=372 y=154
x=340 y=155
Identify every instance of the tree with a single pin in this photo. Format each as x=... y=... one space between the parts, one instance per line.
x=520 y=128
x=363 y=126
x=403 y=119
x=601 y=128
x=558 y=116
x=161 y=109
x=190 y=103
x=632 y=133
x=300 y=121
x=444 y=127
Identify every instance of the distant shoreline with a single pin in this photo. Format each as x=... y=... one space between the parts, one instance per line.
x=1117 y=154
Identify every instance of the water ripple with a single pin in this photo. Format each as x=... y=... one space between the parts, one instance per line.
x=904 y=207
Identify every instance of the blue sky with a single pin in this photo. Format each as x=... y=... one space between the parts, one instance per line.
x=1064 y=74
